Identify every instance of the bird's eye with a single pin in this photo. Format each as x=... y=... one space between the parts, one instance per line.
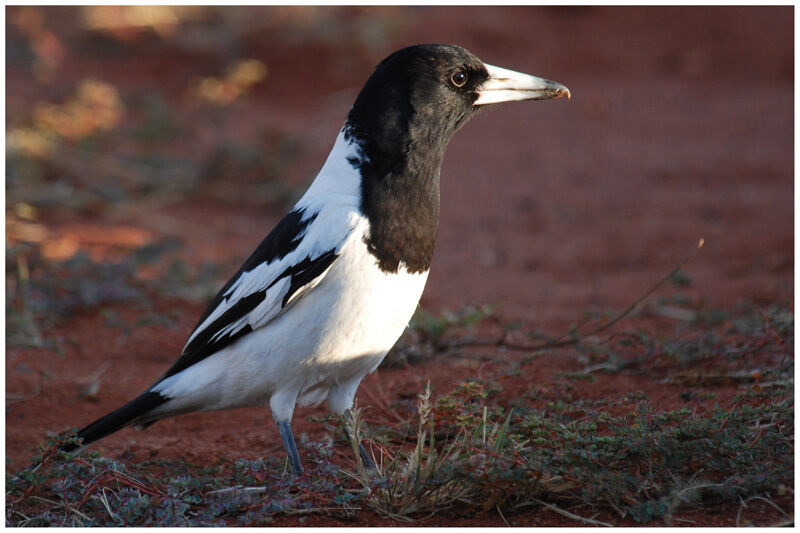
x=458 y=78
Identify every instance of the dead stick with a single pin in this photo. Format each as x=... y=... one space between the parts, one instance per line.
x=653 y=289
x=566 y=513
x=562 y=340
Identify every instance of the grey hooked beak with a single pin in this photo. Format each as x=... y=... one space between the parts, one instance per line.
x=506 y=85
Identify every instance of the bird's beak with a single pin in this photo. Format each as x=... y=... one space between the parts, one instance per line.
x=506 y=85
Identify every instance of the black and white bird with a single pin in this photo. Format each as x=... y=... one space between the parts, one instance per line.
x=329 y=291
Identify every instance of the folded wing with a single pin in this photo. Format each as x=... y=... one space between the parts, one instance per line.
x=288 y=263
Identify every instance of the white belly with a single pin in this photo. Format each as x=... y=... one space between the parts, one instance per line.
x=334 y=335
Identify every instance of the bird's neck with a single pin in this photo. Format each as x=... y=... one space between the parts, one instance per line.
x=399 y=196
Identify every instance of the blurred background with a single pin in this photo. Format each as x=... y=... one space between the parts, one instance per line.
x=149 y=149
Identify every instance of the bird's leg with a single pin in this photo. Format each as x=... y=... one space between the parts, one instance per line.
x=291 y=448
x=366 y=459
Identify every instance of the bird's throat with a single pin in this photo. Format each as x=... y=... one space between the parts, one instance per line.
x=400 y=198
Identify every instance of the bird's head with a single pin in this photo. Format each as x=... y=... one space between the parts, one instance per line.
x=424 y=93
x=400 y=125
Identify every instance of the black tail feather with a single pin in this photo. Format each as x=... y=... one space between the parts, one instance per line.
x=118 y=419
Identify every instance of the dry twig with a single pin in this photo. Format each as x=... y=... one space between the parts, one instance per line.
x=562 y=512
x=567 y=339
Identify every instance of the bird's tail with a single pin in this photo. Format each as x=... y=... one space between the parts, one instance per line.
x=131 y=413
x=134 y=412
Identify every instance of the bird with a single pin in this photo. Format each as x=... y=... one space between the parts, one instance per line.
x=327 y=293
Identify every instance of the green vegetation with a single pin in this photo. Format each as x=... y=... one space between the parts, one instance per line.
x=463 y=453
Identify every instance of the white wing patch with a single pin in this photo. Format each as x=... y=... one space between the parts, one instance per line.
x=330 y=200
x=265 y=311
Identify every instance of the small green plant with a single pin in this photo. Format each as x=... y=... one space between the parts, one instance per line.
x=644 y=464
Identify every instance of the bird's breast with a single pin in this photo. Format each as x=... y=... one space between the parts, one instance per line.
x=369 y=307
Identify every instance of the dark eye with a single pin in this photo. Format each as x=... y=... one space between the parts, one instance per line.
x=458 y=78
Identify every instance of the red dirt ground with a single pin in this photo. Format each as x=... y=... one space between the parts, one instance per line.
x=680 y=127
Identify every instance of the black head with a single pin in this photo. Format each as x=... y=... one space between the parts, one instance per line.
x=402 y=120
x=418 y=95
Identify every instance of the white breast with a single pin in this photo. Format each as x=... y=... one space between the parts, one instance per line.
x=358 y=314
x=369 y=308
